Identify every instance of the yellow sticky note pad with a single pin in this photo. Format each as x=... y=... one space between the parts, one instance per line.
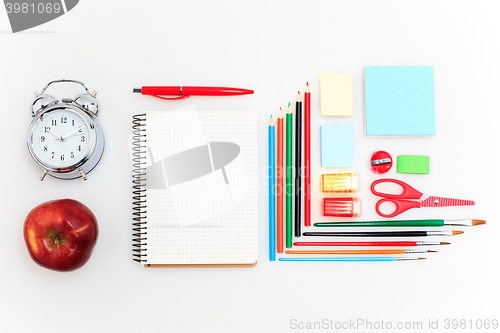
x=335 y=95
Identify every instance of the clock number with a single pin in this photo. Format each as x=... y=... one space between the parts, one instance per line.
x=62 y=157
x=64 y=120
x=42 y=138
x=83 y=138
x=47 y=129
x=72 y=155
x=54 y=122
x=73 y=122
x=79 y=148
x=80 y=130
x=53 y=154
x=45 y=148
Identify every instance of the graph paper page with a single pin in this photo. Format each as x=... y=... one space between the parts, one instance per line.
x=202 y=187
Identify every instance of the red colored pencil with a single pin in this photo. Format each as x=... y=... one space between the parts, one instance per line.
x=279 y=177
x=307 y=156
x=396 y=243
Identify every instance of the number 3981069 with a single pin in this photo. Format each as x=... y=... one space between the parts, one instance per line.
x=32 y=8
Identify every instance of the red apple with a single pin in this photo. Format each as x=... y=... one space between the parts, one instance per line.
x=61 y=234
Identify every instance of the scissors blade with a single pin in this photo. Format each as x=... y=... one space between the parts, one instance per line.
x=445 y=202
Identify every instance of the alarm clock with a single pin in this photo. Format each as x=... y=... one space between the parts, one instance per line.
x=64 y=137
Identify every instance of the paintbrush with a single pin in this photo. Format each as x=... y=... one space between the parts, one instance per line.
x=403 y=223
x=394 y=243
x=387 y=251
x=386 y=233
x=351 y=259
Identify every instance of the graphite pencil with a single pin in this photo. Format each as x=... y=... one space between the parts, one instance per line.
x=298 y=163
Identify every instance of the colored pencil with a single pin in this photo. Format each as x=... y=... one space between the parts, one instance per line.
x=396 y=243
x=272 y=199
x=279 y=177
x=388 y=251
x=289 y=176
x=351 y=259
x=298 y=163
x=403 y=223
x=307 y=156
x=386 y=233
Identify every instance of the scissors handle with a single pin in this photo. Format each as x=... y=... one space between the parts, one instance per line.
x=408 y=191
x=401 y=206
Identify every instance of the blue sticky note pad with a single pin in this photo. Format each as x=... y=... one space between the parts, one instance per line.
x=399 y=100
x=337 y=147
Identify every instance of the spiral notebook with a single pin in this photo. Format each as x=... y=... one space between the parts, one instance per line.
x=195 y=188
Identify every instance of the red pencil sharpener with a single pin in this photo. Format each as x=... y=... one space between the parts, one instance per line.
x=342 y=207
x=380 y=162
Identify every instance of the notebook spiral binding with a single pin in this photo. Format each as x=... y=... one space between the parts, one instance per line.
x=139 y=202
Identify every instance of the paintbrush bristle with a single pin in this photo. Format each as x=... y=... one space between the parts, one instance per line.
x=444 y=243
x=421 y=258
x=478 y=222
x=457 y=232
x=432 y=251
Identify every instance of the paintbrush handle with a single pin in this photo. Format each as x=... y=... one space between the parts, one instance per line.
x=384 y=251
x=401 y=223
x=342 y=259
x=370 y=234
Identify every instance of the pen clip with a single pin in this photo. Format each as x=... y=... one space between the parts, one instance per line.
x=171 y=98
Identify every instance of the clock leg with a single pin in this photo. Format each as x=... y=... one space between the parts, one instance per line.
x=84 y=176
x=45 y=172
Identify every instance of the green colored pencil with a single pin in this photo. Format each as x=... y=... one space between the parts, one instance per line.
x=402 y=223
x=289 y=170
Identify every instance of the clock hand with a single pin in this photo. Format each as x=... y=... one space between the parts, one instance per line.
x=56 y=135
x=70 y=134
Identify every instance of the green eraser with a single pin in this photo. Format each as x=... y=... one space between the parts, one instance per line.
x=413 y=164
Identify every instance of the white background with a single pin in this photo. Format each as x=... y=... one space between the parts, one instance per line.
x=273 y=47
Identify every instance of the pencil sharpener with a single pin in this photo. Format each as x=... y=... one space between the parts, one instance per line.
x=340 y=183
x=342 y=207
x=380 y=162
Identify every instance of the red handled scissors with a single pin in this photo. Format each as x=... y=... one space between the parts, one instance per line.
x=403 y=201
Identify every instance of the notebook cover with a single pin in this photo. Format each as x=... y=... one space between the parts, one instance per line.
x=201 y=265
x=399 y=101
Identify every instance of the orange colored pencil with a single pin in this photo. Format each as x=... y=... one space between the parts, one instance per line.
x=279 y=177
x=389 y=251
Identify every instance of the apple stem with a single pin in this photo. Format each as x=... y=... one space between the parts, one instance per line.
x=56 y=238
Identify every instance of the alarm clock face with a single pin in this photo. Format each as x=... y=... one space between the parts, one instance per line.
x=61 y=139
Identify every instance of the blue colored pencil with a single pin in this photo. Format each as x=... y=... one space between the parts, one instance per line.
x=351 y=259
x=272 y=199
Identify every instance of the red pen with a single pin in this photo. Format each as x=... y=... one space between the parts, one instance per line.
x=186 y=91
